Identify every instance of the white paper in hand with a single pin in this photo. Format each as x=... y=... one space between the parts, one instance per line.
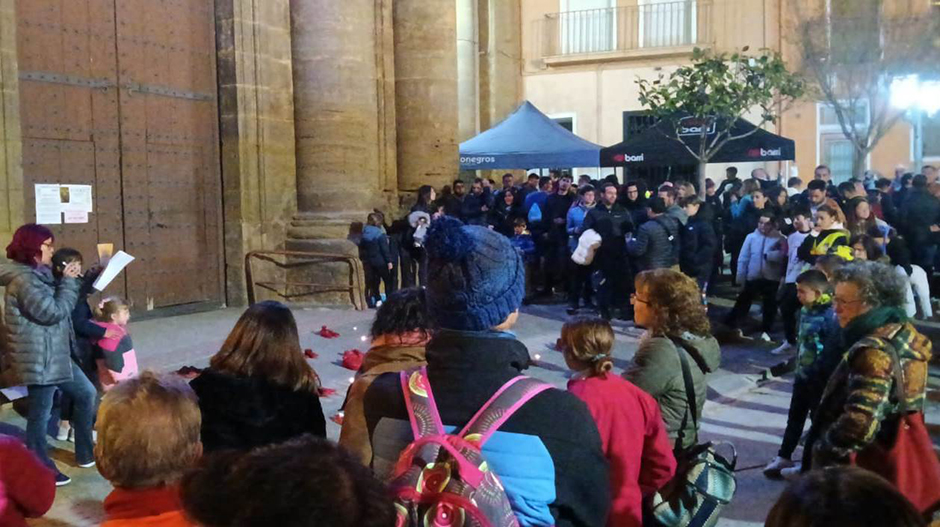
x=117 y=264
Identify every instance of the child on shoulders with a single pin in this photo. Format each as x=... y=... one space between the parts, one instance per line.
x=117 y=360
x=632 y=431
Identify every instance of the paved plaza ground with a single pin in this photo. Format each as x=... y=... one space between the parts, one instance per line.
x=746 y=406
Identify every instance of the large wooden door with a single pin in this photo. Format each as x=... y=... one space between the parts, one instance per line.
x=121 y=94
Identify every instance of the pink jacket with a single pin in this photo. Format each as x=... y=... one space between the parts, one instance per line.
x=634 y=440
x=27 y=487
x=119 y=360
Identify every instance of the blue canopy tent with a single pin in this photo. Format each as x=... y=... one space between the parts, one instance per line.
x=527 y=139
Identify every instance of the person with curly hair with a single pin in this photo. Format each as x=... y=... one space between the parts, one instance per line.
x=304 y=481
x=879 y=388
x=401 y=330
x=669 y=305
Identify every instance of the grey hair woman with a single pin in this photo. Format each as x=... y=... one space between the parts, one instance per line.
x=878 y=389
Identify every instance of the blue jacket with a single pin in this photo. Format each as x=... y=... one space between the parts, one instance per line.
x=816 y=324
x=374 y=249
x=525 y=245
x=548 y=455
x=573 y=223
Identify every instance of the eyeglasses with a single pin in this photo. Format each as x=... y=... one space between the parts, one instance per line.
x=840 y=302
x=47 y=244
x=634 y=298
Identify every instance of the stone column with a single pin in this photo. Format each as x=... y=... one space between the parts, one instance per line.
x=12 y=204
x=257 y=130
x=468 y=70
x=426 y=91
x=336 y=119
x=500 y=33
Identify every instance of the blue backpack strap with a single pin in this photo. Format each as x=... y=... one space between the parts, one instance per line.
x=419 y=401
x=500 y=407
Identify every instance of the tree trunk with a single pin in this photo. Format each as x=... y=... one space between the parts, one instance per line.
x=701 y=179
x=859 y=162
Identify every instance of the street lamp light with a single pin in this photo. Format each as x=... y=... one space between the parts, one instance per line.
x=918 y=97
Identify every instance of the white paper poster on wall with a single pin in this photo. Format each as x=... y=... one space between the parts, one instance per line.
x=48 y=205
x=52 y=201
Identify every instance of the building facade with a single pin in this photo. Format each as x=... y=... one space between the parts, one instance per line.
x=210 y=128
x=582 y=59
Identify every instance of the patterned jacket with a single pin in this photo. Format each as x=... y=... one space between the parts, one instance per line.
x=861 y=394
x=816 y=323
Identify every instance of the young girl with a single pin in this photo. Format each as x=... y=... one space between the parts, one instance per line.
x=117 y=360
x=631 y=427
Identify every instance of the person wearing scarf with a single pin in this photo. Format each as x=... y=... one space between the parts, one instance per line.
x=861 y=404
x=399 y=334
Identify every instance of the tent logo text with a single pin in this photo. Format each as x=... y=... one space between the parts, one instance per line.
x=760 y=152
x=477 y=160
x=622 y=158
x=694 y=126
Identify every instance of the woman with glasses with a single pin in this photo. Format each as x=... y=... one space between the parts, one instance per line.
x=37 y=328
x=872 y=408
x=669 y=305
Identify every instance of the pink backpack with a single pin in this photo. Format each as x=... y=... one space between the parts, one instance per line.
x=441 y=479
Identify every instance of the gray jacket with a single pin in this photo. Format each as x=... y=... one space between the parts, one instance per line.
x=37 y=326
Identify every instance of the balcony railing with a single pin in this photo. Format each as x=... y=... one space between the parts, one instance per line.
x=649 y=26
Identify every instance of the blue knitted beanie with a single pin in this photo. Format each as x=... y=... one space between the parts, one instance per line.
x=476 y=278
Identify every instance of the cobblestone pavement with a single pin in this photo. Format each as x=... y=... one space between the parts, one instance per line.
x=745 y=406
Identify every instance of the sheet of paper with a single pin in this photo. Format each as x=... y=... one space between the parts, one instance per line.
x=76 y=216
x=48 y=204
x=105 y=251
x=79 y=198
x=13 y=393
x=117 y=264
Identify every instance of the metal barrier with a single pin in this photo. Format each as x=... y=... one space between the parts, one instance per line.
x=297 y=259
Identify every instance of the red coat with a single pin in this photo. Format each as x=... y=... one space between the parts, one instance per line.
x=635 y=443
x=27 y=487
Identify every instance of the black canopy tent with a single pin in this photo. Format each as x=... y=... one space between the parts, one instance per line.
x=656 y=146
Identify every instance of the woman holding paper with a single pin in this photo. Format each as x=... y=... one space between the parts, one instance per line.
x=37 y=332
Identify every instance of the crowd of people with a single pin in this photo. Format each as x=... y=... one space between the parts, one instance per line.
x=444 y=358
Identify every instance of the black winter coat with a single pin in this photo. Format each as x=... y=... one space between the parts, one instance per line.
x=611 y=224
x=472 y=209
x=919 y=211
x=657 y=243
x=501 y=218
x=86 y=331
x=699 y=243
x=556 y=207
x=243 y=412
x=548 y=453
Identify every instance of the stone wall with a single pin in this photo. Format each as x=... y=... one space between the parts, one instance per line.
x=256 y=106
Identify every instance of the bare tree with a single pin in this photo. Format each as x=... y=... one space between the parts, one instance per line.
x=852 y=50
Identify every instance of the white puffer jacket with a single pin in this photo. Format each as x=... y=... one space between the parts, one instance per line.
x=587 y=247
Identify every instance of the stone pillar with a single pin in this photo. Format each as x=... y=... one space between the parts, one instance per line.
x=500 y=33
x=11 y=146
x=336 y=117
x=426 y=91
x=468 y=70
x=257 y=131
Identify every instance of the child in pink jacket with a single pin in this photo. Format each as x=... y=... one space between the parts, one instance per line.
x=117 y=360
x=27 y=487
x=628 y=419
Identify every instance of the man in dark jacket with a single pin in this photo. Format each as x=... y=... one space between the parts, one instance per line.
x=477 y=205
x=698 y=241
x=453 y=202
x=553 y=475
x=656 y=245
x=919 y=212
x=634 y=200
x=612 y=222
x=556 y=237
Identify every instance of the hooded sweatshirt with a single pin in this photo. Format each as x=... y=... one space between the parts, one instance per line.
x=657 y=370
x=242 y=413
